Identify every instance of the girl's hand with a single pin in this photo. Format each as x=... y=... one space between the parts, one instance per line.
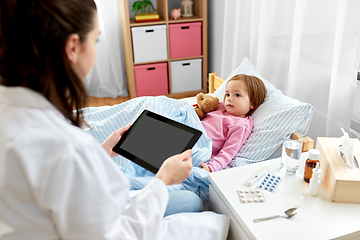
x=176 y=169
x=205 y=167
x=113 y=139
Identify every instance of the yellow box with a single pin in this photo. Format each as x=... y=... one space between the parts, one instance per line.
x=341 y=182
x=147 y=16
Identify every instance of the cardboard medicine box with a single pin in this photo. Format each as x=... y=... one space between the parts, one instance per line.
x=341 y=182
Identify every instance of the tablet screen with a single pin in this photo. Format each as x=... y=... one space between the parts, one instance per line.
x=153 y=138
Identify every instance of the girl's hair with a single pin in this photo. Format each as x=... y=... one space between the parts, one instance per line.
x=255 y=89
x=33 y=34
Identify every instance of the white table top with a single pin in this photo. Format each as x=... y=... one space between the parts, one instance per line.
x=318 y=217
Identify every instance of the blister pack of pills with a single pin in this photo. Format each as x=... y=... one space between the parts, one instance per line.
x=270 y=182
x=251 y=195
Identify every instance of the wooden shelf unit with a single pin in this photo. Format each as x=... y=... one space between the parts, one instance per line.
x=200 y=15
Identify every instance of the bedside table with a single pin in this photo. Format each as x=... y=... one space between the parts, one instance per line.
x=318 y=217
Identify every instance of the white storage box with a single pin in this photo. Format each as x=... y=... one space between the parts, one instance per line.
x=149 y=43
x=186 y=75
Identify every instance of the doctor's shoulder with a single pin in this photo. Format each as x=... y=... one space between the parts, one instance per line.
x=53 y=138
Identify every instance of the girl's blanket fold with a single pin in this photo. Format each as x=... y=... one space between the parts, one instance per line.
x=105 y=120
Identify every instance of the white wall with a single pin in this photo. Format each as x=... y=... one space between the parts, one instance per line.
x=216 y=10
x=354 y=127
x=356 y=108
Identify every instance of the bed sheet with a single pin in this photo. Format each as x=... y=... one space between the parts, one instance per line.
x=107 y=119
x=190 y=100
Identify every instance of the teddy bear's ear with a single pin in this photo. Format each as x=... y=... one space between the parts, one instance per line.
x=200 y=96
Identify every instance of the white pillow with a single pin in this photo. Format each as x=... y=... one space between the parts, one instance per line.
x=277 y=117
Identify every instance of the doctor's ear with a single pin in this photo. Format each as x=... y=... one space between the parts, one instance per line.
x=72 y=47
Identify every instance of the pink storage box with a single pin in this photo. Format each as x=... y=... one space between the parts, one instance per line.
x=151 y=79
x=185 y=39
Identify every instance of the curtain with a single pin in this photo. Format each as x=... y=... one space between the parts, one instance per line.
x=108 y=77
x=308 y=49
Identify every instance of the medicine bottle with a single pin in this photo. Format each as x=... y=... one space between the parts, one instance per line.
x=315 y=181
x=313 y=158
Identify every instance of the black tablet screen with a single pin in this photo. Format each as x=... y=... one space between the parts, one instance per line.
x=153 y=138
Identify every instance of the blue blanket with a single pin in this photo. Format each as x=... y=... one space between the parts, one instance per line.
x=105 y=120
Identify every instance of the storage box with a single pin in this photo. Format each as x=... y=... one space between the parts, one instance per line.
x=185 y=39
x=186 y=75
x=341 y=182
x=149 y=43
x=151 y=79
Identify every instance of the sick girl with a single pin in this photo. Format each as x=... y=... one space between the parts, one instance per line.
x=231 y=123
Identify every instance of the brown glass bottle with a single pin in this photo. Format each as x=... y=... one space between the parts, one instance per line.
x=313 y=158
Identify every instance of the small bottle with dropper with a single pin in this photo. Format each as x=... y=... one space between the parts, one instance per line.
x=315 y=181
x=310 y=164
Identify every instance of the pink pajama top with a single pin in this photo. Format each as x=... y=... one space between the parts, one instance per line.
x=228 y=133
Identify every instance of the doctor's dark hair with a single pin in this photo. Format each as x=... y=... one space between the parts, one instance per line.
x=255 y=88
x=33 y=35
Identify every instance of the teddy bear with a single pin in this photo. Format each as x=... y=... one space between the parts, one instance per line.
x=205 y=103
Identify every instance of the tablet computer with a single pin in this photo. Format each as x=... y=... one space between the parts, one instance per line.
x=153 y=138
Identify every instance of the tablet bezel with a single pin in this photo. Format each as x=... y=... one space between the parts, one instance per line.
x=117 y=148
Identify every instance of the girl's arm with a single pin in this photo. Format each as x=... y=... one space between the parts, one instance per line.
x=237 y=134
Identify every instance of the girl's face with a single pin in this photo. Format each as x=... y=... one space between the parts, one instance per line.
x=237 y=100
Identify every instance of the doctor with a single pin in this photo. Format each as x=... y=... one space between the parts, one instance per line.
x=56 y=182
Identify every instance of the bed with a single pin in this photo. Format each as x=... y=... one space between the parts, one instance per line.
x=277 y=117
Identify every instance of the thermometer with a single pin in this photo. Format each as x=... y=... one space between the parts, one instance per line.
x=257 y=176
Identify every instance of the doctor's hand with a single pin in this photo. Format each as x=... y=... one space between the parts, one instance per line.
x=113 y=139
x=176 y=169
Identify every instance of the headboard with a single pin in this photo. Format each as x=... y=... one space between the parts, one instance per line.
x=214 y=82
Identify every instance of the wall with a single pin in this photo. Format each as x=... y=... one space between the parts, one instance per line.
x=355 y=121
x=216 y=10
x=356 y=108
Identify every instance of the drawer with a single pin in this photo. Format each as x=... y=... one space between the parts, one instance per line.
x=149 y=43
x=151 y=79
x=185 y=39
x=186 y=75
